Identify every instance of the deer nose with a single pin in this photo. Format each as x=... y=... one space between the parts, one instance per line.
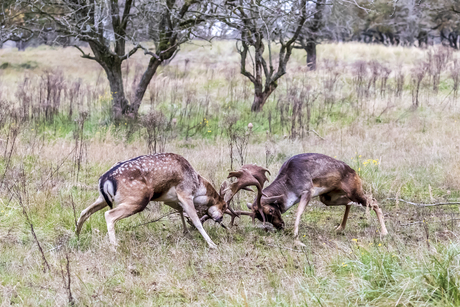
x=219 y=220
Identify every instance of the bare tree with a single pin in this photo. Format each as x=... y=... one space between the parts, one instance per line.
x=11 y=24
x=113 y=29
x=261 y=23
x=312 y=33
x=405 y=22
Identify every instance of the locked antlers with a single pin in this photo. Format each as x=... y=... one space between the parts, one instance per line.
x=248 y=175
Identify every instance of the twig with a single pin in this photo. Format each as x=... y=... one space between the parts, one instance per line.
x=153 y=221
x=425 y=205
x=52 y=249
x=420 y=222
x=56 y=170
x=24 y=212
x=311 y=130
x=66 y=279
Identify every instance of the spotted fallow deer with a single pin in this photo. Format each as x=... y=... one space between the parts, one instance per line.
x=129 y=186
x=303 y=177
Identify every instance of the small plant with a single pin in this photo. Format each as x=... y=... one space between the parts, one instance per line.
x=154 y=124
x=455 y=76
x=417 y=75
x=399 y=80
x=80 y=149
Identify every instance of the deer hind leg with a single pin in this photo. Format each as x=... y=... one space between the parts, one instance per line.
x=189 y=208
x=85 y=214
x=360 y=198
x=337 y=198
x=122 y=211
x=183 y=222
x=379 y=214
x=304 y=200
x=342 y=225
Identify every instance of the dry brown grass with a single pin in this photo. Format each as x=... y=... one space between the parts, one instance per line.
x=415 y=151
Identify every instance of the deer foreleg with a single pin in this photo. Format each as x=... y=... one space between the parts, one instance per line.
x=304 y=200
x=189 y=208
x=183 y=222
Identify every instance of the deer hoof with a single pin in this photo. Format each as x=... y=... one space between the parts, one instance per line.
x=339 y=228
x=212 y=246
x=299 y=244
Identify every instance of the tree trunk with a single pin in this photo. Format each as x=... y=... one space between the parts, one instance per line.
x=260 y=97
x=144 y=83
x=315 y=27
x=310 y=48
x=120 y=105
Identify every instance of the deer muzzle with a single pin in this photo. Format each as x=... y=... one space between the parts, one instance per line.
x=216 y=214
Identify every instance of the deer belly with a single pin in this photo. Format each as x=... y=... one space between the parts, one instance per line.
x=316 y=191
x=169 y=196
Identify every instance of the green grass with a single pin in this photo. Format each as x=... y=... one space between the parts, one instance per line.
x=397 y=151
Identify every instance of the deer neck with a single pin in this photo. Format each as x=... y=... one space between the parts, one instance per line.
x=205 y=193
x=289 y=198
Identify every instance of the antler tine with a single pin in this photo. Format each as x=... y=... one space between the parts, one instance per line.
x=257 y=172
x=244 y=180
x=240 y=212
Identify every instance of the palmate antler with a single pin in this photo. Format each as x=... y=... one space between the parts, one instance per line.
x=247 y=175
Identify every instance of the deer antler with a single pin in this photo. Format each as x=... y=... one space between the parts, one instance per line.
x=248 y=175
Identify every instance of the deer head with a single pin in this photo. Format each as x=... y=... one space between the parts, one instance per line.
x=268 y=209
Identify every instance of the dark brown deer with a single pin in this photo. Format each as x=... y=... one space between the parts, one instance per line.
x=300 y=179
x=129 y=186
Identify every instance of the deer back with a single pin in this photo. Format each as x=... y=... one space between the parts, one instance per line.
x=311 y=171
x=149 y=175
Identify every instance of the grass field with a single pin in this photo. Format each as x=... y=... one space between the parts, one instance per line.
x=360 y=106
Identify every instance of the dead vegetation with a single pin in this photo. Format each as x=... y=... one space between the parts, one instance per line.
x=57 y=137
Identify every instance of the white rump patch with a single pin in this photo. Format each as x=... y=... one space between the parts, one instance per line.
x=108 y=189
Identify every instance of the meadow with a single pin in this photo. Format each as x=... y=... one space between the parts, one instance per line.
x=389 y=112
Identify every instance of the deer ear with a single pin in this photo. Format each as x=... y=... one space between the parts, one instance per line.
x=225 y=192
x=278 y=199
x=223 y=188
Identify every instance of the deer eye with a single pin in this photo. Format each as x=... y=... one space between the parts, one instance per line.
x=271 y=211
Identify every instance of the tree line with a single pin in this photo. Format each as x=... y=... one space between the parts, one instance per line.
x=265 y=32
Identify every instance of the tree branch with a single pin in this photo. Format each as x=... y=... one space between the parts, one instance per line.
x=84 y=55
